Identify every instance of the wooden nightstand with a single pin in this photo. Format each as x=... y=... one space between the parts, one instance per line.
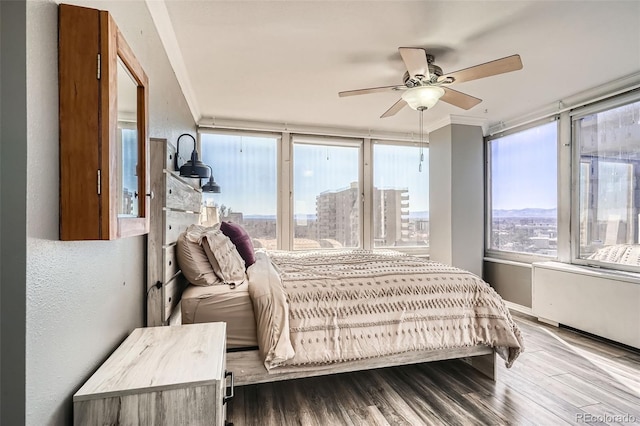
x=160 y=376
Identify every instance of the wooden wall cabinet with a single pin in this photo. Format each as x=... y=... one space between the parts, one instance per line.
x=103 y=106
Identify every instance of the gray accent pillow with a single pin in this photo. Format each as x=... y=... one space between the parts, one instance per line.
x=223 y=256
x=192 y=258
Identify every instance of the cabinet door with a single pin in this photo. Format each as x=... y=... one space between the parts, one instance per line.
x=103 y=130
x=79 y=101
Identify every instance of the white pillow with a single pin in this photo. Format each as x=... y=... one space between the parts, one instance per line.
x=192 y=258
x=227 y=263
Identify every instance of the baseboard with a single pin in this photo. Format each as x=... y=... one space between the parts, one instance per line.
x=519 y=308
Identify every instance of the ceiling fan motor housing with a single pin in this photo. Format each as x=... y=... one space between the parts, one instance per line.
x=434 y=71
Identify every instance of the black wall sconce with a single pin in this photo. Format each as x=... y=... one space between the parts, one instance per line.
x=193 y=168
x=211 y=186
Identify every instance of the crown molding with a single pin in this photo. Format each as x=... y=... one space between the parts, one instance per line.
x=308 y=129
x=459 y=119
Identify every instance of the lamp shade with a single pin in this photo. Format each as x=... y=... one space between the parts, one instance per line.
x=211 y=186
x=194 y=168
x=423 y=97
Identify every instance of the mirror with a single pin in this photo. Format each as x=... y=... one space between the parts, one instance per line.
x=127 y=143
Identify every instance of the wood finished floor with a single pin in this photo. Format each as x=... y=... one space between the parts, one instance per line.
x=562 y=378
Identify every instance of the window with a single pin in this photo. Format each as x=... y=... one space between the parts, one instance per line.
x=305 y=192
x=400 y=195
x=522 y=191
x=326 y=193
x=245 y=167
x=608 y=150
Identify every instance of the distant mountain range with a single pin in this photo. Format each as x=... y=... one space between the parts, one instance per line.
x=419 y=215
x=529 y=212
x=424 y=214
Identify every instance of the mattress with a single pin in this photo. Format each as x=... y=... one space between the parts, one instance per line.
x=221 y=303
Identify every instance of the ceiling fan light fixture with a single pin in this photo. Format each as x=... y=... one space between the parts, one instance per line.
x=423 y=97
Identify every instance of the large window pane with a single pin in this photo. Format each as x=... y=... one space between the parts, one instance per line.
x=609 y=149
x=400 y=196
x=326 y=195
x=245 y=167
x=523 y=191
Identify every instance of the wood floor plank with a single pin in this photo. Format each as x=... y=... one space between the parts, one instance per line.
x=565 y=378
x=375 y=417
x=389 y=395
x=586 y=371
x=456 y=389
x=610 y=415
x=602 y=394
x=512 y=412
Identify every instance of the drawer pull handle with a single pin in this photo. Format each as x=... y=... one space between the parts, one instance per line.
x=229 y=395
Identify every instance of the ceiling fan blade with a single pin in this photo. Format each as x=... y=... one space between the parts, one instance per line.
x=394 y=108
x=415 y=59
x=459 y=99
x=499 y=66
x=369 y=90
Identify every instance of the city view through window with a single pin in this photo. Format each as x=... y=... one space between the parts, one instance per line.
x=523 y=191
x=326 y=199
x=609 y=197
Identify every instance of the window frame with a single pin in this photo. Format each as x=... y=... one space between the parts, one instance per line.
x=575 y=116
x=519 y=257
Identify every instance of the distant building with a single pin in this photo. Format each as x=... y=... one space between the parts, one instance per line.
x=338 y=216
x=390 y=216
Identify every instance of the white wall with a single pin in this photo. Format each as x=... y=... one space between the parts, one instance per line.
x=83 y=298
x=456 y=196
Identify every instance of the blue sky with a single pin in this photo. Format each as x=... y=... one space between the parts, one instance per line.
x=524 y=169
x=248 y=183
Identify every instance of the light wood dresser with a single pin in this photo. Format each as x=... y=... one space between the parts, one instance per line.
x=160 y=376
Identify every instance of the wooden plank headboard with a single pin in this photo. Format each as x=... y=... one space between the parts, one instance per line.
x=175 y=205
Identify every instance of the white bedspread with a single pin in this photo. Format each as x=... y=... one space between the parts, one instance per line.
x=322 y=308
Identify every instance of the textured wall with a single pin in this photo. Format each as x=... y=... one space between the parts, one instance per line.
x=83 y=298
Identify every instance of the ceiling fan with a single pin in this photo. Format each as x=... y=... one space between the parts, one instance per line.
x=425 y=83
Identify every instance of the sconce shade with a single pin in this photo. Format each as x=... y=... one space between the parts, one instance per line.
x=211 y=186
x=423 y=97
x=192 y=168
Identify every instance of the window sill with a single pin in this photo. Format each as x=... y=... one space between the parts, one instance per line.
x=591 y=271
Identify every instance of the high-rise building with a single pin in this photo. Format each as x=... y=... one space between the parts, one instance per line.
x=338 y=216
x=390 y=216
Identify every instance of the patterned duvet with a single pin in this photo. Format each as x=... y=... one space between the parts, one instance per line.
x=321 y=308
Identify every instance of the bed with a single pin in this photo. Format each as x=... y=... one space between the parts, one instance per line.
x=333 y=311
x=313 y=313
x=221 y=303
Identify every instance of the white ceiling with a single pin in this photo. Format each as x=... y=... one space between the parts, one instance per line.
x=286 y=61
